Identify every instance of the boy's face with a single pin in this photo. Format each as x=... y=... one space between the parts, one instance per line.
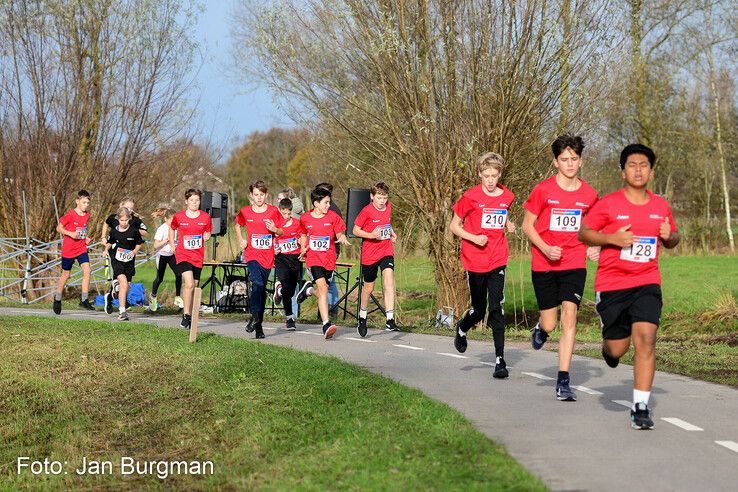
x=637 y=171
x=123 y=221
x=193 y=203
x=83 y=203
x=286 y=213
x=323 y=205
x=568 y=163
x=380 y=200
x=258 y=197
x=490 y=177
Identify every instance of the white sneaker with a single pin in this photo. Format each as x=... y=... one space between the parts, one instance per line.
x=179 y=302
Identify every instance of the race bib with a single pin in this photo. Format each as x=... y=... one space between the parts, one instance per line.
x=81 y=232
x=385 y=232
x=123 y=255
x=494 y=218
x=193 y=242
x=261 y=241
x=565 y=219
x=642 y=250
x=320 y=243
x=289 y=245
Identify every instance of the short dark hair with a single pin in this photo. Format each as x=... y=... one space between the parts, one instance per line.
x=83 y=194
x=327 y=186
x=258 y=185
x=637 y=149
x=567 y=140
x=285 y=203
x=193 y=191
x=319 y=193
x=380 y=187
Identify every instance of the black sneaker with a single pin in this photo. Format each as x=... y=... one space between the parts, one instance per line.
x=251 y=325
x=302 y=294
x=640 y=418
x=390 y=325
x=538 y=337
x=609 y=359
x=108 y=303
x=460 y=341
x=329 y=330
x=500 y=370
x=186 y=321
x=564 y=392
x=57 y=306
x=86 y=305
x=361 y=327
x=290 y=324
x=259 y=330
x=277 y=297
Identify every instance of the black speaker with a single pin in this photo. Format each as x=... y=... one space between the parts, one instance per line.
x=215 y=204
x=358 y=198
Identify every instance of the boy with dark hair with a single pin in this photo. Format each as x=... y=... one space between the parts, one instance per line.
x=318 y=228
x=629 y=224
x=262 y=222
x=73 y=226
x=480 y=220
x=125 y=241
x=332 y=287
x=553 y=215
x=193 y=227
x=288 y=268
x=373 y=224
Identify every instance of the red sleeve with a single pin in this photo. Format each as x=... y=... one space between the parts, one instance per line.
x=534 y=203
x=338 y=224
x=361 y=219
x=301 y=229
x=175 y=222
x=462 y=207
x=240 y=219
x=598 y=217
x=209 y=226
x=64 y=221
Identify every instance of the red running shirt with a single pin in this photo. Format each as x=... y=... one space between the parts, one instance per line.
x=289 y=242
x=560 y=214
x=321 y=247
x=73 y=222
x=638 y=264
x=484 y=214
x=261 y=240
x=373 y=250
x=191 y=237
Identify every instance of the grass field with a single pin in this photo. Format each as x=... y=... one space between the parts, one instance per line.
x=267 y=417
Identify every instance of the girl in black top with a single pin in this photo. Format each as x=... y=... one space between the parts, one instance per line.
x=122 y=247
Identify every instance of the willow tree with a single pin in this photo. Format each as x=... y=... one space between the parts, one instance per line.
x=414 y=91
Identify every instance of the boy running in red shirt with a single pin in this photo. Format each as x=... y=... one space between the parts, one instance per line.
x=73 y=226
x=553 y=215
x=262 y=222
x=193 y=227
x=629 y=225
x=480 y=219
x=318 y=227
x=373 y=224
x=288 y=267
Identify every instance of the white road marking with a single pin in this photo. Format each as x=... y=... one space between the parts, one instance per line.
x=84 y=314
x=360 y=340
x=589 y=391
x=492 y=364
x=310 y=333
x=681 y=424
x=455 y=356
x=733 y=446
x=268 y=328
x=407 y=346
x=538 y=376
x=623 y=403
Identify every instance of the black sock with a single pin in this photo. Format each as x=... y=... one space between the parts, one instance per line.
x=563 y=376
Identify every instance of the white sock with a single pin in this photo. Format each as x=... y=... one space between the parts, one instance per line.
x=122 y=310
x=326 y=322
x=390 y=315
x=498 y=359
x=462 y=332
x=309 y=291
x=640 y=397
x=291 y=316
x=362 y=313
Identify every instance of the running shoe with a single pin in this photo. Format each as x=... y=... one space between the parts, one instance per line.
x=290 y=324
x=277 y=297
x=251 y=325
x=500 y=369
x=609 y=359
x=390 y=325
x=108 y=303
x=564 y=392
x=460 y=341
x=259 y=330
x=361 y=327
x=57 y=306
x=179 y=302
x=186 y=321
x=302 y=294
x=153 y=303
x=538 y=337
x=86 y=305
x=640 y=418
x=123 y=316
x=329 y=330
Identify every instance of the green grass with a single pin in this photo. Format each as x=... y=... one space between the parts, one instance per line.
x=268 y=417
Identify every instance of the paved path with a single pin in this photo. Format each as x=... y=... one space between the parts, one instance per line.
x=587 y=445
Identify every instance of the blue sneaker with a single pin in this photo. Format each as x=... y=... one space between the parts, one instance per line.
x=538 y=337
x=564 y=392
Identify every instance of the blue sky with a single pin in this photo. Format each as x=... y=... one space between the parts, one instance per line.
x=228 y=110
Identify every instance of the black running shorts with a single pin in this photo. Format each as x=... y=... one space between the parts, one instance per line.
x=619 y=309
x=186 y=266
x=319 y=272
x=369 y=272
x=556 y=286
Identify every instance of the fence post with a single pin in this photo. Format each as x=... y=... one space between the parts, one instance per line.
x=29 y=249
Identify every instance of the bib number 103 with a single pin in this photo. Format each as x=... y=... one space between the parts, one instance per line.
x=642 y=250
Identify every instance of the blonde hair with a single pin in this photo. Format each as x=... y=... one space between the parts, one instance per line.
x=490 y=160
x=165 y=212
x=123 y=211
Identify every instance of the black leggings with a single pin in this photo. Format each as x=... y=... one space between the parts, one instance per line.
x=288 y=270
x=161 y=268
x=484 y=286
